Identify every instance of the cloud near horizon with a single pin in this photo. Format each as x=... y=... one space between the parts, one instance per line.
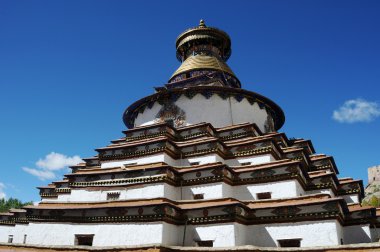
x=2 y=193
x=47 y=167
x=357 y=110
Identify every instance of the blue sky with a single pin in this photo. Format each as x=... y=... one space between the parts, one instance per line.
x=68 y=69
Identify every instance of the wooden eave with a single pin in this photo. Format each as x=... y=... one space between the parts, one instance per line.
x=357 y=181
x=239 y=126
x=315 y=199
x=190 y=204
x=119 y=140
x=279 y=136
x=46 y=187
x=305 y=155
x=308 y=143
x=200 y=167
x=91 y=158
x=332 y=175
x=346 y=179
x=197 y=141
x=135 y=143
x=357 y=207
x=318 y=157
x=112 y=169
x=248 y=140
x=349 y=181
x=318 y=173
x=6 y=214
x=17 y=210
x=197 y=125
x=249 y=168
x=150 y=126
x=80 y=165
x=273 y=164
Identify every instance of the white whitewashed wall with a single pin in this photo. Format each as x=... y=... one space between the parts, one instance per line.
x=278 y=190
x=199 y=109
x=318 y=233
x=104 y=234
x=204 y=159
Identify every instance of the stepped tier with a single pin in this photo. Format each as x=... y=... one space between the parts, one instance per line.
x=233 y=157
x=200 y=175
x=304 y=208
x=158 y=173
x=312 y=207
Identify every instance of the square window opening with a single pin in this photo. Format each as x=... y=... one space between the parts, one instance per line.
x=205 y=243
x=264 y=195
x=113 y=196
x=245 y=163
x=84 y=240
x=198 y=196
x=290 y=243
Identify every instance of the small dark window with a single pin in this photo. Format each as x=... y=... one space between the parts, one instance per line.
x=198 y=196
x=113 y=196
x=194 y=163
x=205 y=243
x=288 y=243
x=264 y=195
x=246 y=163
x=84 y=240
x=10 y=238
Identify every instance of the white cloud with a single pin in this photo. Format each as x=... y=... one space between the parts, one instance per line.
x=41 y=174
x=51 y=163
x=2 y=193
x=357 y=110
x=56 y=161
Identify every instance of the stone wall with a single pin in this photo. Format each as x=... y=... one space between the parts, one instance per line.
x=373 y=174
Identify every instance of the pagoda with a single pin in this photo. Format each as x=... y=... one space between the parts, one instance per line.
x=202 y=164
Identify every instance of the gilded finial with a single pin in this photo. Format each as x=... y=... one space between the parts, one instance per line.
x=202 y=23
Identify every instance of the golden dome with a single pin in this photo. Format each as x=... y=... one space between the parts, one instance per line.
x=199 y=61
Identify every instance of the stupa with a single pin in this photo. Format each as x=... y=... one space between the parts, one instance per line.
x=201 y=165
